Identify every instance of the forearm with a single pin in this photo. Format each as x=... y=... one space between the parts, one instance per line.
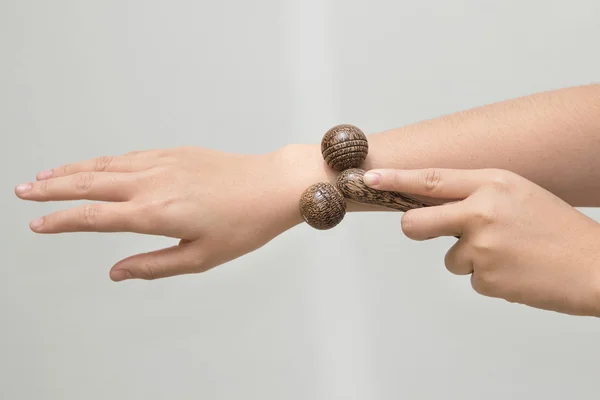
x=550 y=138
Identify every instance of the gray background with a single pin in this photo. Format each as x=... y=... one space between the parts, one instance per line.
x=384 y=320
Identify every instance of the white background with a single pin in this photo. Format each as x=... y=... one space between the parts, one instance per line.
x=351 y=313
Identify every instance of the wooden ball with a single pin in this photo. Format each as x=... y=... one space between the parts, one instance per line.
x=344 y=146
x=322 y=206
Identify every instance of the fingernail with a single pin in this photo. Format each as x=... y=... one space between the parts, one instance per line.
x=36 y=223
x=371 y=178
x=23 y=188
x=44 y=174
x=120 y=275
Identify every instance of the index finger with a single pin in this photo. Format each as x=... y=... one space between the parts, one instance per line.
x=131 y=162
x=430 y=182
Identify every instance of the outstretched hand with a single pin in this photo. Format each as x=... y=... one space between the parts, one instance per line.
x=220 y=205
x=518 y=241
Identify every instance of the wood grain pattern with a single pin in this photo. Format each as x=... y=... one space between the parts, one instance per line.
x=344 y=146
x=322 y=206
x=350 y=183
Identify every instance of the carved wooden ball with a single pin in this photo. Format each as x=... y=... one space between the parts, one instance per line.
x=344 y=146
x=322 y=206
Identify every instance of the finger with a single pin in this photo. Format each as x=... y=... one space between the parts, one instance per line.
x=138 y=162
x=96 y=217
x=103 y=186
x=485 y=284
x=437 y=183
x=176 y=260
x=435 y=221
x=457 y=259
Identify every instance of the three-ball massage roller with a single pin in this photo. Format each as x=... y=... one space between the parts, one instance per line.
x=323 y=205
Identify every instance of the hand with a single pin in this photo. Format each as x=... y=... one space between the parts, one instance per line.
x=220 y=205
x=518 y=241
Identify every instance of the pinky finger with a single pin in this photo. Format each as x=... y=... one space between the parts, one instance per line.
x=176 y=260
x=100 y=217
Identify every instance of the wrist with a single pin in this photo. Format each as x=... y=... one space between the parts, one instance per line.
x=302 y=165
x=299 y=166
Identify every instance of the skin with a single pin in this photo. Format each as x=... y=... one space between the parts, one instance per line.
x=497 y=172
x=518 y=241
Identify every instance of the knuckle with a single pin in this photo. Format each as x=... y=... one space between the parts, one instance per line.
x=148 y=216
x=90 y=216
x=457 y=262
x=145 y=213
x=147 y=208
x=451 y=262
x=482 y=246
x=199 y=266
x=477 y=286
x=165 y=210
x=500 y=180
x=450 y=265
x=65 y=169
x=511 y=297
x=102 y=163
x=199 y=261
x=485 y=212
x=432 y=179
x=395 y=180
x=167 y=204
x=84 y=181
x=485 y=283
x=43 y=186
x=157 y=177
x=149 y=271
x=409 y=225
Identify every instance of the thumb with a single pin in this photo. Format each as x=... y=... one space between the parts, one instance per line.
x=177 y=260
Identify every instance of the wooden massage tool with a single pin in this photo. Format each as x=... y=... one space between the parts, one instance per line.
x=323 y=205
